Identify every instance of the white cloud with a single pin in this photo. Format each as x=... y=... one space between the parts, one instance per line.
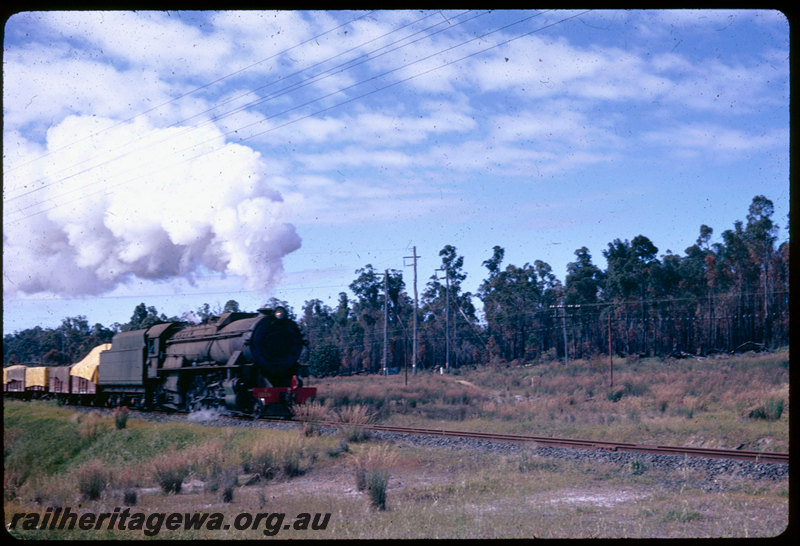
x=712 y=140
x=178 y=202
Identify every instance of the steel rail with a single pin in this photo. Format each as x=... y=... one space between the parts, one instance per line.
x=686 y=451
x=754 y=456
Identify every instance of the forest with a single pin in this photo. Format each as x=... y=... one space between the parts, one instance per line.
x=717 y=297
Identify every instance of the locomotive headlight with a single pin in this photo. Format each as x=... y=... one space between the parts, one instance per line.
x=280 y=312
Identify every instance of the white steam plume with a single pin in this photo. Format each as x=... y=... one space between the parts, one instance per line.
x=97 y=208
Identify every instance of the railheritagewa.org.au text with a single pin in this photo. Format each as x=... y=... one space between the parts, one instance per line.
x=269 y=523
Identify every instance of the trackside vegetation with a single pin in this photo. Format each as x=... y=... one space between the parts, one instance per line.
x=375 y=489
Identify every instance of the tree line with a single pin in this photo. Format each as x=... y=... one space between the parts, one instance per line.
x=716 y=297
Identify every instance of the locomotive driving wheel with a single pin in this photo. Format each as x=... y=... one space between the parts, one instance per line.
x=201 y=394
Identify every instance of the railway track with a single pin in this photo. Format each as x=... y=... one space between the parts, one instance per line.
x=735 y=454
x=685 y=451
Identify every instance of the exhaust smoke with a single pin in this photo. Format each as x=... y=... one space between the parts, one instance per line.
x=101 y=204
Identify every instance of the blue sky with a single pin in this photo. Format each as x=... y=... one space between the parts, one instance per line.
x=179 y=158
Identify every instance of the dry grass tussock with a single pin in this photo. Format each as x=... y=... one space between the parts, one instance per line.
x=169 y=470
x=269 y=458
x=352 y=420
x=312 y=414
x=372 y=467
x=91 y=425
x=93 y=478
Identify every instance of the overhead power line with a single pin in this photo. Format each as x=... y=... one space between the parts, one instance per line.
x=192 y=92
x=108 y=190
x=368 y=56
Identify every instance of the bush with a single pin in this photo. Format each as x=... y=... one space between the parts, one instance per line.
x=227 y=480
x=91 y=426
x=377 y=482
x=338 y=449
x=312 y=413
x=121 y=417
x=529 y=462
x=169 y=470
x=129 y=497
x=770 y=411
x=208 y=459
x=352 y=420
x=637 y=467
x=266 y=459
x=92 y=479
x=372 y=473
x=260 y=460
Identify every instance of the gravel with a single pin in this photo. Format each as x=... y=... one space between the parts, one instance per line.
x=708 y=471
x=708 y=474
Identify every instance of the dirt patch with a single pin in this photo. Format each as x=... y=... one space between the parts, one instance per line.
x=602 y=498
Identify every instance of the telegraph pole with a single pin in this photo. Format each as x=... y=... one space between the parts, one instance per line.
x=414 y=335
x=386 y=322
x=447 y=317
x=563 y=307
x=566 y=342
x=610 y=357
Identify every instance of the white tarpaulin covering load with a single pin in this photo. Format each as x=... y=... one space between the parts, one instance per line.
x=87 y=368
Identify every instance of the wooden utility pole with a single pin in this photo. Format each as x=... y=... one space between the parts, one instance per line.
x=414 y=335
x=386 y=322
x=447 y=318
x=563 y=307
x=610 y=357
x=566 y=341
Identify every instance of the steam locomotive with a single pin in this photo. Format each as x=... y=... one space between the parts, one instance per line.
x=244 y=362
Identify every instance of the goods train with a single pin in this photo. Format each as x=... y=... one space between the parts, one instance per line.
x=244 y=362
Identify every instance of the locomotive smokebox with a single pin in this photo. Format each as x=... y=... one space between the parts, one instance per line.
x=275 y=346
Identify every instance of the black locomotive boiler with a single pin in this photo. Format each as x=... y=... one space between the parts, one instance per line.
x=245 y=362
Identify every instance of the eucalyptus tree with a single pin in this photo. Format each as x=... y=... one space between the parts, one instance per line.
x=628 y=280
x=517 y=306
x=448 y=314
x=368 y=310
x=760 y=237
x=583 y=288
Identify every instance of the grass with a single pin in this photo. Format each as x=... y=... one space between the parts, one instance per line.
x=716 y=402
x=417 y=492
x=437 y=493
x=372 y=468
x=92 y=479
x=352 y=420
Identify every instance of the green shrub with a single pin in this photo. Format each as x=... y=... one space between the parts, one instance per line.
x=377 y=483
x=129 y=498
x=121 y=417
x=769 y=411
